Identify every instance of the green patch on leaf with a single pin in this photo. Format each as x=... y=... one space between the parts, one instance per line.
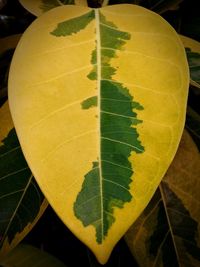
x=106 y=186
x=90 y=102
x=73 y=25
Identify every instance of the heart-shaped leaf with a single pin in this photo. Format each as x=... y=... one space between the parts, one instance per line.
x=167 y=232
x=21 y=201
x=38 y=7
x=98 y=97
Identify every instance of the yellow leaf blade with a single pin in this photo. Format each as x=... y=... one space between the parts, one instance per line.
x=54 y=105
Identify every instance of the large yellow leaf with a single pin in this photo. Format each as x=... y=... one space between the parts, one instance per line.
x=98 y=98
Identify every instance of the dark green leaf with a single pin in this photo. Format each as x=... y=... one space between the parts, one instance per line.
x=25 y=255
x=194 y=64
x=21 y=200
x=193 y=125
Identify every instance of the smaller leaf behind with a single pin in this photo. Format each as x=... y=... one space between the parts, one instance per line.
x=21 y=201
x=25 y=255
x=46 y=5
x=194 y=64
x=192 y=48
x=38 y=7
x=193 y=125
x=167 y=232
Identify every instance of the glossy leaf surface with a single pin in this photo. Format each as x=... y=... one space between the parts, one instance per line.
x=104 y=113
x=21 y=201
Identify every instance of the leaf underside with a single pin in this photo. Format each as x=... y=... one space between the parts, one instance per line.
x=106 y=186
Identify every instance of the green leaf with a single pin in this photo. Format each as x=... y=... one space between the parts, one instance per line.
x=21 y=201
x=26 y=255
x=163 y=5
x=7 y=46
x=193 y=125
x=167 y=232
x=38 y=7
x=49 y=4
x=192 y=48
x=105 y=113
x=159 y=7
x=194 y=64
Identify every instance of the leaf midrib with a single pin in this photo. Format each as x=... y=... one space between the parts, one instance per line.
x=98 y=48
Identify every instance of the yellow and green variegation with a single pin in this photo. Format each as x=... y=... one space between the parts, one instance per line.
x=38 y=7
x=98 y=98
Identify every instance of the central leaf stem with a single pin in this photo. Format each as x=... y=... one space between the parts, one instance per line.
x=98 y=44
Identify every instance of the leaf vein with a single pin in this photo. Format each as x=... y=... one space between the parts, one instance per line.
x=119 y=185
x=13 y=173
x=10 y=194
x=10 y=151
x=123 y=143
x=116 y=164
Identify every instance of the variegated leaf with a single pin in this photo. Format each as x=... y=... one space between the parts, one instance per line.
x=104 y=112
x=38 y=7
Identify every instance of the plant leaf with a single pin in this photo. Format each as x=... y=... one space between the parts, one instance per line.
x=192 y=48
x=21 y=202
x=163 y=5
x=193 y=125
x=102 y=136
x=38 y=7
x=167 y=232
x=7 y=46
x=26 y=255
